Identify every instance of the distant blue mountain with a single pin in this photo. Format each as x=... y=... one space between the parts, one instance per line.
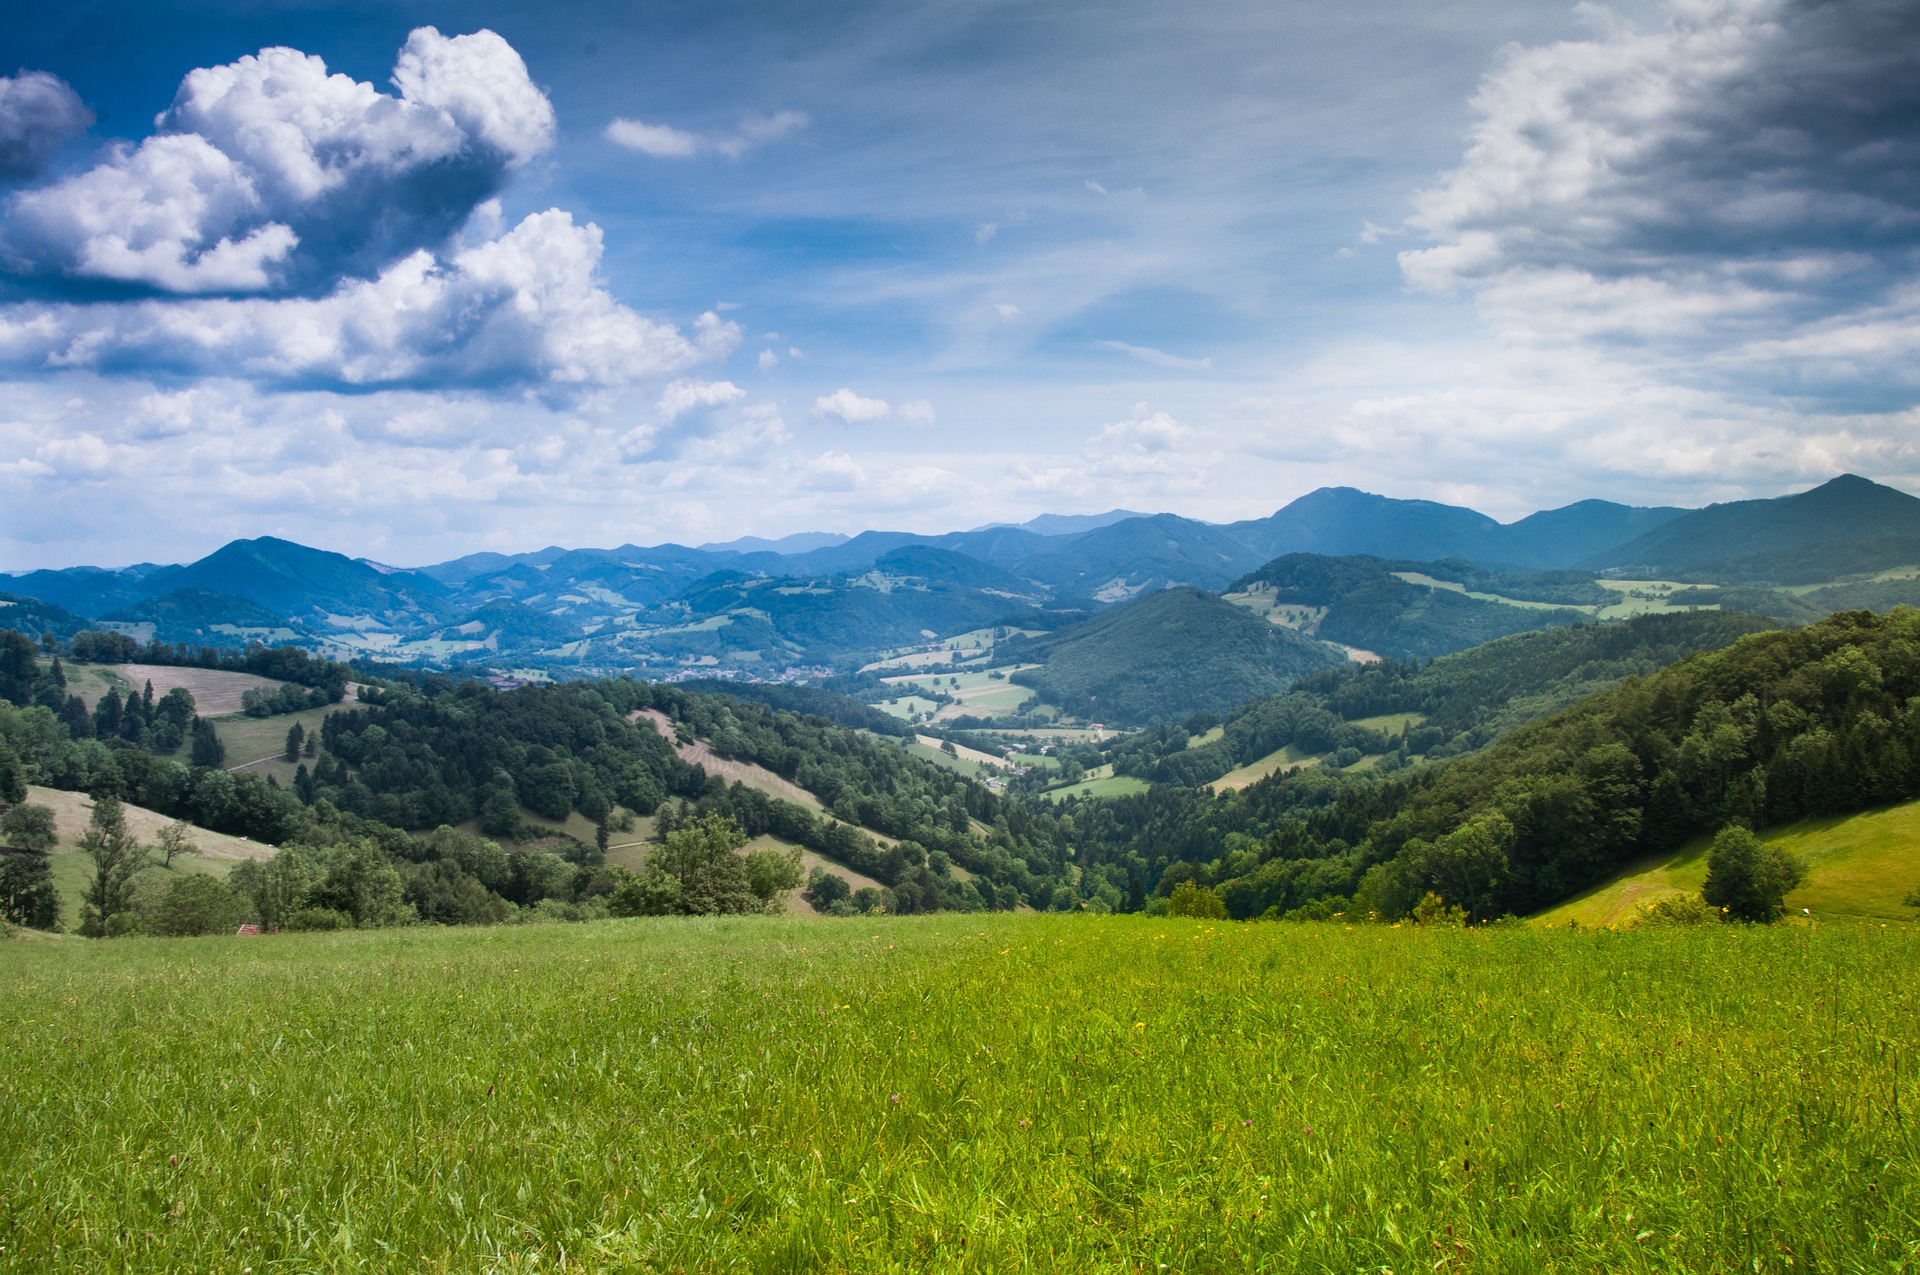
x=798 y=542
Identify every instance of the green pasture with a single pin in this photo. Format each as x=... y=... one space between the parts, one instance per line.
x=1107 y=785
x=964 y=1093
x=1862 y=865
x=1644 y=597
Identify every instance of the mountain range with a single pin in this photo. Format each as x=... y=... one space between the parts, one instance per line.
x=1377 y=575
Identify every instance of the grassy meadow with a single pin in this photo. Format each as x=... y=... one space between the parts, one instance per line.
x=979 y=1093
x=1861 y=865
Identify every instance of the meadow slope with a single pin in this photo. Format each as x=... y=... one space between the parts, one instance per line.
x=978 y=1093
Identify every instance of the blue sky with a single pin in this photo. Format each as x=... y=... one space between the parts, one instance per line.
x=497 y=276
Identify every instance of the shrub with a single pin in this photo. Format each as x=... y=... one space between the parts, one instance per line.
x=1747 y=879
x=1679 y=909
x=1433 y=910
x=196 y=903
x=1197 y=901
x=319 y=919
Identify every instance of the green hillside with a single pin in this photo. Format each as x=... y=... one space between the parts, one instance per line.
x=204 y=617
x=1361 y=602
x=1446 y=707
x=1864 y=865
x=33 y=617
x=1163 y=656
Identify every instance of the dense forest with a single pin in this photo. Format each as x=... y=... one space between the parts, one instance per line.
x=1779 y=726
x=1516 y=774
x=1463 y=701
x=1163 y=657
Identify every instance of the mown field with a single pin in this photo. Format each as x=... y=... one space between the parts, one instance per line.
x=964 y=1093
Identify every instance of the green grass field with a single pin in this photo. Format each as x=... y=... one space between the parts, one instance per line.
x=964 y=1093
x=1860 y=865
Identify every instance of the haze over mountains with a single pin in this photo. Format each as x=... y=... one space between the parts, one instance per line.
x=1352 y=574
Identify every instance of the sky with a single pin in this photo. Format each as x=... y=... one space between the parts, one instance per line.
x=411 y=280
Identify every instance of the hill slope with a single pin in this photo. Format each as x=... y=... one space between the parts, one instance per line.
x=1166 y=655
x=1862 y=865
x=1845 y=508
x=1359 y=601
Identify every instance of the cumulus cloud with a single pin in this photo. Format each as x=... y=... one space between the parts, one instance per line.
x=1734 y=196
x=682 y=397
x=664 y=141
x=38 y=114
x=527 y=308
x=1144 y=433
x=832 y=471
x=850 y=408
x=270 y=174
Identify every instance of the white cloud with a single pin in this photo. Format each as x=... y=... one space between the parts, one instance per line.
x=851 y=408
x=525 y=309
x=832 y=471
x=1160 y=358
x=985 y=231
x=1007 y=312
x=1143 y=432
x=766 y=361
x=268 y=173
x=664 y=141
x=918 y=412
x=682 y=397
x=39 y=113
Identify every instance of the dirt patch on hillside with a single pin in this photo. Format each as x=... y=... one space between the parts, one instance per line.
x=216 y=692
x=746 y=772
x=72 y=810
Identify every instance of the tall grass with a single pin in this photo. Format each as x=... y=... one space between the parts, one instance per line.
x=963 y=1093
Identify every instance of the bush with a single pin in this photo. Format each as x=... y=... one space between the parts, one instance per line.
x=27 y=896
x=319 y=919
x=1679 y=910
x=1330 y=908
x=1196 y=901
x=824 y=889
x=1747 y=879
x=196 y=903
x=28 y=827
x=1433 y=910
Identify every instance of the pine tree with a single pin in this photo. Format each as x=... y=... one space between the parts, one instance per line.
x=207 y=748
x=117 y=860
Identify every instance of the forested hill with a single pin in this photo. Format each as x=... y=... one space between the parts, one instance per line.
x=415 y=760
x=1779 y=726
x=1447 y=707
x=1164 y=656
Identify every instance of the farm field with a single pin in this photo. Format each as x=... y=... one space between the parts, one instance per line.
x=1254 y=771
x=1099 y=785
x=975 y=694
x=256 y=744
x=1861 y=865
x=216 y=692
x=1644 y=597
x=974 y=1093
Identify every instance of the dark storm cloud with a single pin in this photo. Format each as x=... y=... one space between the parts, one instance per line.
x=1740 y=186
